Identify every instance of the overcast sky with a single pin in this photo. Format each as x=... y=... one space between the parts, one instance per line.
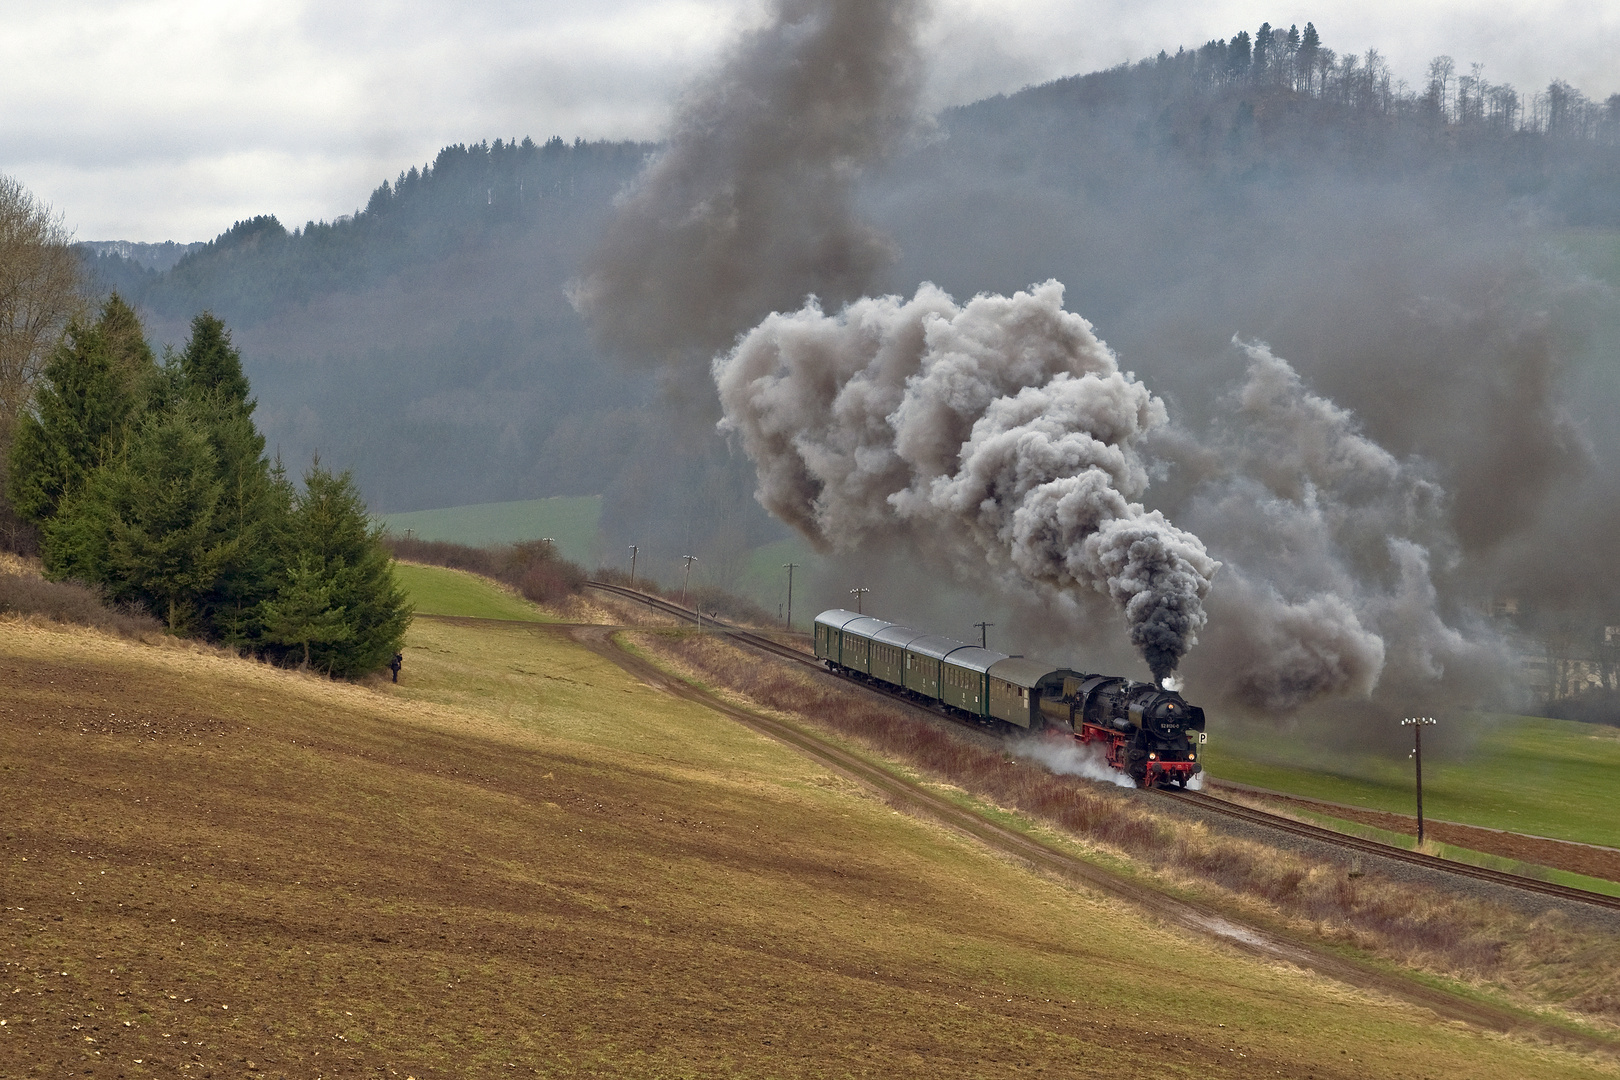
x=169 y=119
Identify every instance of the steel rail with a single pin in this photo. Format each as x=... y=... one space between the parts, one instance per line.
x=1389 y=851
x=1204 y=802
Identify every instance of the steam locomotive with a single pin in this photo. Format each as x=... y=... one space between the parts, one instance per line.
x=1147 y=732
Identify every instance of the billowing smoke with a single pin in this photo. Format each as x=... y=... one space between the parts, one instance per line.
x=750 y=206
x=997 y=433
x=1329 y=542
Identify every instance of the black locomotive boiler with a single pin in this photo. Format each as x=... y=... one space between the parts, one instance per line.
x=1145 y=731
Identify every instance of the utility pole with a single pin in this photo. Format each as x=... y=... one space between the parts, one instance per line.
x=789 y=568
x=983 y=626
x=690 y=559
x=633 y=550
x=1417 y=724
x=551 y=544
x=857 y=593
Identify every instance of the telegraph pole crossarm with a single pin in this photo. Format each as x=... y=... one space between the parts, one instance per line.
x=858 y=592
x=983 y=628
x=1417 y=724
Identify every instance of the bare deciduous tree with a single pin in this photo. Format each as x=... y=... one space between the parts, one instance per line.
x=39 y=293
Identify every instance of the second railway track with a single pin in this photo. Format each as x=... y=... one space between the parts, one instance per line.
x=1203 y=802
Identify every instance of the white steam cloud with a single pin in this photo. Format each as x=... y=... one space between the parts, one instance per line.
x=1001 y=437
x=1070 y=757
x=1000 y=431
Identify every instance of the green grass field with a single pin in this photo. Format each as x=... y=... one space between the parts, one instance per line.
x=570 y=520
x=435 y=590
x=573 y=521
x=1551 y=778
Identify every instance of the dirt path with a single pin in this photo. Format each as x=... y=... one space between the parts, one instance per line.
x=915 y=799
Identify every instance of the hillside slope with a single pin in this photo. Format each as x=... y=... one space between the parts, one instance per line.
x=519 y=860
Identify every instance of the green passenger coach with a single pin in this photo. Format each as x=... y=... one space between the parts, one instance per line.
x=962 y=676
x=1145 y=730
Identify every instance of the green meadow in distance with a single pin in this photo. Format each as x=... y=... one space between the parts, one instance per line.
x=571 y=520
x=1525 y=774
x=435 y=590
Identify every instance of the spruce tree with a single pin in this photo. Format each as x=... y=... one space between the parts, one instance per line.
x=126 y=343
x=210 y=364
x=208 y=376
x=301 y=613
x=152 y=483
x=81 y=409
x=145 y=526
x=338 y=550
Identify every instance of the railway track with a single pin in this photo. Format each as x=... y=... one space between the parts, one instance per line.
x=1202 y=802
x=1389 y=851
x=736 y=633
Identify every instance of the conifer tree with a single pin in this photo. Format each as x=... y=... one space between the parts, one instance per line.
x=145 y=526
x=208 y=375
x=211 y=365
x=81 y=409
x=338 y=550
x=302 y=613
x=126 y=343
x=152 y=483
x=1310 y=46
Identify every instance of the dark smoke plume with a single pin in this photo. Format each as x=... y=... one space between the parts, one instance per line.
x=998 y=432
x=1330 y=544
x=749 y=207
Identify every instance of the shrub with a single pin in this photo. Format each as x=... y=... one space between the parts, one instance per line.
x=532 y=567
x=71 y=602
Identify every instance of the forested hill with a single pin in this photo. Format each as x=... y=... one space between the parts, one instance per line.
x=1281 y=103
x=425 y=340
x=465 y=198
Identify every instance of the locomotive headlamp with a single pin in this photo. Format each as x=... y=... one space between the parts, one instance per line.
x=1153 y=757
